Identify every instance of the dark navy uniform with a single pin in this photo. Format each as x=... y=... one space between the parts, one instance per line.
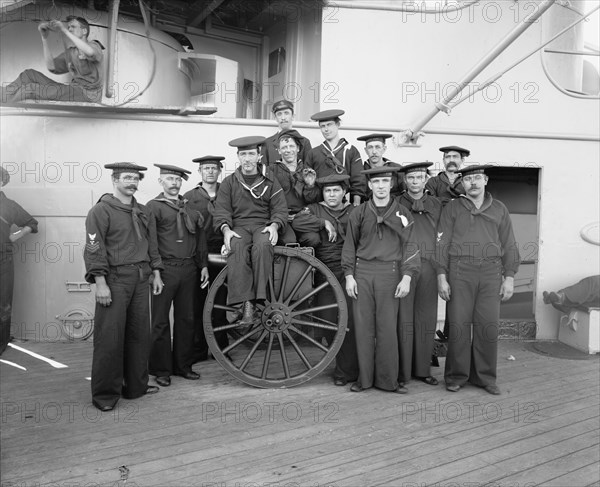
x=475 y=248
x=199 y=199
x=11 y=213
x=378 y=251
x=121 y=245
x=182 y=246
x=312 y=220
x=418 y=310
x=441 y=187
x=247 y=205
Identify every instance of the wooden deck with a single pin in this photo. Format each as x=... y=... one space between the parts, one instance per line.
x=543 y=430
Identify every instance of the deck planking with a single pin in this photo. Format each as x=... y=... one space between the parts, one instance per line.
x=544 y=428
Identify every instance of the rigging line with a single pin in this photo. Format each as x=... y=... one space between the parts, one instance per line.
x=154 y=57
x=496 y=77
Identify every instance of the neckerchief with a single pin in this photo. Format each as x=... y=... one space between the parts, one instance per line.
x=138 y=217
x=453 y=188
x=260 y=180
x=420 y=206
x=184 y=215
x=395 y=221
x=481 y=211
x=340 y=228
x=296 y=178
x=331 y=159
x=211 y=200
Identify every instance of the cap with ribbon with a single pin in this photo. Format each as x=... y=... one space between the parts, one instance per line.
x=416 y=167
x=475 y=169
x=247 y=143
x=380 y=172
x=282 y=105
x=177 y=171
x=334 y=180
x=454 y=148
x=210 y=160
x=374 y=137
x=326 y=115
x=121 y=167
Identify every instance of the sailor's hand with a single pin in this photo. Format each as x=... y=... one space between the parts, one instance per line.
x=272 y=231
x=204 y=277
x=351 y=287
x=103 y=296
x=403 y=287
x=57 y=26
x=443 y=287
x=44 y=29
x=507 y=289
x=310 y=176
x=229 y=234
x=331 y=232
x=157 y=283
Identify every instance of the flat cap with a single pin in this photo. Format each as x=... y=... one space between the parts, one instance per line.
x=118 y=167
x=327 y=115
x=380 y=172
x=454 y=148
x=282 y=105
x=247 y=143
x=210 y=160
x=294 y=134
x=178 y=171
x=334 y=180
x=415 y=166
x=475 y=169
x=370 y=137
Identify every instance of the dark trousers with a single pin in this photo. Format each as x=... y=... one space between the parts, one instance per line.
x=7 y=277
x=376 y=322
x=474 y=312
x=582 y=295
x=219 y=317
x=249 y=264
x=346 y=360
x=180 y=282
x=32 y=84
x=417 y=323
x=122 y=337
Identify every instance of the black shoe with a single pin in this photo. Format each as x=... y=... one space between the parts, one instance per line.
x=163 y=381
x=356 y=387
x=190 y=375
x=550 y=298
x=248 y=313
x=452 y=387
x=104 y=407
x=400 y=389
x=492 y=389
x=432 y=381
x=151 y=390
x=340 y=381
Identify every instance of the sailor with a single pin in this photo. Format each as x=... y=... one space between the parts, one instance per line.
x=379 y=260
x=283 y=110
x=447 y=185
x=336 y=156
x=418 y=310
x=582 y=295
x=121 y=252
x=182 y=247
x=375 y=147
x=250 y=211
x=11 y=213
x=328 y=220
x=296 y=180
x=477 y=259
x=202 y=198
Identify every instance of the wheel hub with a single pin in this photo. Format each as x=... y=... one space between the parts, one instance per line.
x=276 y=317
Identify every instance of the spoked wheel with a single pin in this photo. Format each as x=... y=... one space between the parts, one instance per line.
x=296 y=333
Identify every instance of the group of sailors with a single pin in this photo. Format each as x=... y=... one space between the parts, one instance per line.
x=392 y=236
